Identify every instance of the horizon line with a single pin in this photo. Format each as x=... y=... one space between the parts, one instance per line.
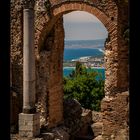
x=83 y=39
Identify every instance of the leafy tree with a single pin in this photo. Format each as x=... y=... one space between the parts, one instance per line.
x=82 y=85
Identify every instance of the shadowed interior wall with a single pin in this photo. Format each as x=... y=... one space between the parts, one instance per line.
x=49 y=74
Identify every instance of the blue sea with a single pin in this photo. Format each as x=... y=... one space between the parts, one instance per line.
x=75 y=49
x=76 y=53
x=68 y=70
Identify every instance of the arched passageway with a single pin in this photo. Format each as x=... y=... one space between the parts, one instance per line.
x=50 y=47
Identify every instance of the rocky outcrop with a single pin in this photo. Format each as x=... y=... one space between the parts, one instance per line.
x=72 y=115
x=78 y=120
x=84 y=123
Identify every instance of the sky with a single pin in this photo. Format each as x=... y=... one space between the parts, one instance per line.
x=81 y=25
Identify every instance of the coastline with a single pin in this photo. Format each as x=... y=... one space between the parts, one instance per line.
x=90 y=67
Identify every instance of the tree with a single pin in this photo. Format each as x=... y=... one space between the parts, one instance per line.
x=83 y=86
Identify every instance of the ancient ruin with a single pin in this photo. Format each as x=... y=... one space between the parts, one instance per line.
x=37 y=45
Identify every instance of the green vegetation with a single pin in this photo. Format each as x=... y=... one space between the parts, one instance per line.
x=82 y=85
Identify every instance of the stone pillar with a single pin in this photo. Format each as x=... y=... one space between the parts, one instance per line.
x=28 y=120
x=28 y=61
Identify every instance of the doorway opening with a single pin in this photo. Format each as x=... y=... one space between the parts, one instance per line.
x=83 y=70
x=84 y=49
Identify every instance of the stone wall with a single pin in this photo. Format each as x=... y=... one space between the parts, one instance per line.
x=42 y=74
x=123 y=50
x=116 y=117
x=116 y=107
x=16 y=42
x=107 y=13
x=55 y=95
x=49 y=75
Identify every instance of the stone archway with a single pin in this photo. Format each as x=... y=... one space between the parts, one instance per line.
x=50 y=33
x=49 y=43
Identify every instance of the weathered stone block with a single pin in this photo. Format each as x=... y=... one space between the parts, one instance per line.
x=29 y=125
x=97 y=128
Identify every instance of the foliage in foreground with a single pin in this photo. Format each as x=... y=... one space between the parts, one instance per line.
x=83 y=86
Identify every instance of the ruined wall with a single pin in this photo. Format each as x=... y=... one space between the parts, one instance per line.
x=16 y=42
x=116 y=108
x=123 y=50
x=16 y=59
x=49 y=43
x=42 y=76
x=49 y=75
x=107 y=13
x=55 y=101
x=116 y=117
x=116 y=57
x=111 y=63
x=107 y=7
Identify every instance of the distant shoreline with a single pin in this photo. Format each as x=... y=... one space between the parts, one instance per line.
x=90 y=67
x=85 y=44
x=83 y=47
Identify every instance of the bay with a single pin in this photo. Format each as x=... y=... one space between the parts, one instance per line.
x=76 y=53
x=75 y=49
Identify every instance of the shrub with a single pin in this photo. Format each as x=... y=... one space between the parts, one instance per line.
x=83 y=86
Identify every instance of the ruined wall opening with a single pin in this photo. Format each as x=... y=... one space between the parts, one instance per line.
x=84 y=43
x=51 y=49
x=82 y=26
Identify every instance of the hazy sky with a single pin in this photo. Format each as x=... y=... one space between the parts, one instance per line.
x=81 y=25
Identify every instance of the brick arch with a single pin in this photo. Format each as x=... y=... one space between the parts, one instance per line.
x=43 y=27
x=111 y=44
x=45 y=24
x=83 y=6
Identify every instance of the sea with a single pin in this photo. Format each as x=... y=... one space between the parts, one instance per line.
x=75 y=49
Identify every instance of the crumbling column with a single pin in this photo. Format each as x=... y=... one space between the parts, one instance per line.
x=28 y=120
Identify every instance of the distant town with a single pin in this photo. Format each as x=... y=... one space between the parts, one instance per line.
x=88 y=61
